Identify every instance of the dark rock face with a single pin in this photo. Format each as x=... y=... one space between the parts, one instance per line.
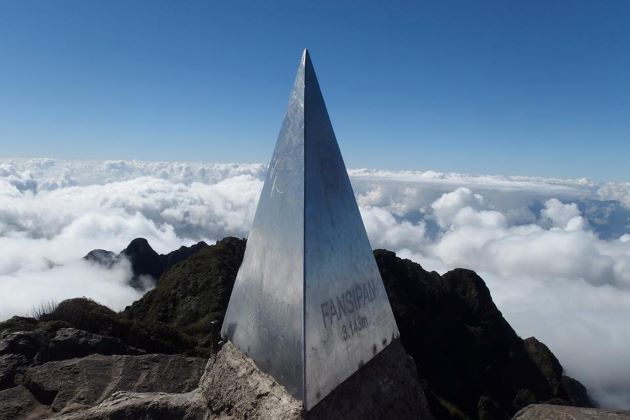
x=387 y=387
x=576 y=393
x=25 y=343
x=474 y=364
x=144 y=260
x=69 y=343
x=12 y=368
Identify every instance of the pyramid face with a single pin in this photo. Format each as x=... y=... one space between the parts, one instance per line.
x=308 y=305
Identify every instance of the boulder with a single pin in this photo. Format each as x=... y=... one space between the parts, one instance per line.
x=77 y=384
x=19 y=403
x=233 y=386
x=12 y=367
x=146 y=406
x=70 y=343
x=546 y=362
x=27 y=343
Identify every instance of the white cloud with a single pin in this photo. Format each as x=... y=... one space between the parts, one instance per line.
x=555 y=253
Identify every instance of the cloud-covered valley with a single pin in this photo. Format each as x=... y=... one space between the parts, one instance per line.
x=555 y=253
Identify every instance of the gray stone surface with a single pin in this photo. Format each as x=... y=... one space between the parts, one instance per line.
x=231 y=387
x=12 y=367
x=76 y=384
x=561 y=412
x=19 y=403
x=386 y=387
x=70 y=343
x=147 y=406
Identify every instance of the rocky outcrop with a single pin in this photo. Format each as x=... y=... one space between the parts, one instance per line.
x=231 y=387
x=474 y=364
x=385 y=387
x=234 y=387
x=12 y=367
x=147 y=406
x=565 y=389
x=70 y=342
x=19 y=403
x=558 y=412
x=148 y=335
x=144 y=260
x=77 y=384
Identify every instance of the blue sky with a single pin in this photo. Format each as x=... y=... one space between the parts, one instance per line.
x=510 y=87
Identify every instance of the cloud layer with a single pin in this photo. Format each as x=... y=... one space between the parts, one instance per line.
x=555 y=253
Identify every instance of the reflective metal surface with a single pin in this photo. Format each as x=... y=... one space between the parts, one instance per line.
x=308 y=304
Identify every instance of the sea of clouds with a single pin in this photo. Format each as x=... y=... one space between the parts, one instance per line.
x=555 y=253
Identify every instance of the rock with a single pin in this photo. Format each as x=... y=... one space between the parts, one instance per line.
x=75 y=384
x=576 y=393
x=15 y=324
x=153 y=337
x=468 y=354
x=233 y=386
x=102 y=257
x=12 y=367
x=146 y=405
x=386 y=387
x=27 y=343
x=559 y=412
x=71 y=343
x=488 y=409
x=18 y=402
x=546 y=362
x=144 y=260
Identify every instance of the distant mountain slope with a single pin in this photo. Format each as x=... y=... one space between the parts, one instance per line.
x=144 y=260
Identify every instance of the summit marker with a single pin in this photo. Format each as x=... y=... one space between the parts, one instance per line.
x=308 y=305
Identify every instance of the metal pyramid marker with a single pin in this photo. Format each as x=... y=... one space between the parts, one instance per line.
x=308 y=305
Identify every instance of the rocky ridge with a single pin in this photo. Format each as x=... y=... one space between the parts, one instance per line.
x=145 y=262
x=470 y=362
